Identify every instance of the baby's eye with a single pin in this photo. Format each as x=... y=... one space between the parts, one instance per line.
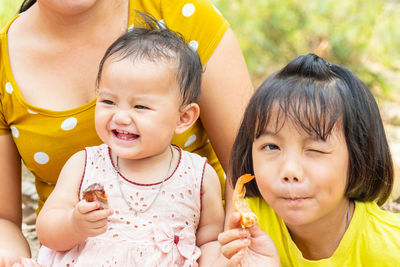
x=271 y=147
x=107 y=102
x=140 y=107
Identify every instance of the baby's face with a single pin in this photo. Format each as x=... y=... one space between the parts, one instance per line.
x=137 y=108
x=302 y=177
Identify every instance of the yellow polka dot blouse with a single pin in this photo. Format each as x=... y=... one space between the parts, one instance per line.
x=46 y=139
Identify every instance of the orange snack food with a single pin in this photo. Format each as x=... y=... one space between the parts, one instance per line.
x=247 y=217
x=96 y=192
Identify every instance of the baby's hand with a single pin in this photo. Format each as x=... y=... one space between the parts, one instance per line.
x=10 y=260
x=247 y=247
x=88 y=219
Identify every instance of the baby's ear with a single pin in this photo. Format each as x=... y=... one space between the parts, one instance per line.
x=189 y=114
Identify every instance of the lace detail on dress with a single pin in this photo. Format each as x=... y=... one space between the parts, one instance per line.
x=164 y=235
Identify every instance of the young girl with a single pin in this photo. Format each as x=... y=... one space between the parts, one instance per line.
x=313 y=138
x=164 y=203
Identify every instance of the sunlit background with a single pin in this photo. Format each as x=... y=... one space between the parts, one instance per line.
x=362 y=35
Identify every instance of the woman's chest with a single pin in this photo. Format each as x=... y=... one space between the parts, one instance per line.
x=55 y=80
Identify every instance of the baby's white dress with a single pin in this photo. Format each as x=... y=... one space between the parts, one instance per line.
x=163 y=235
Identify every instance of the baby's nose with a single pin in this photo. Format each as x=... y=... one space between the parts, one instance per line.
x=122 y=117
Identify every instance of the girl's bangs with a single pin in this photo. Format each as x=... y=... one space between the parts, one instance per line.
x=314 y=106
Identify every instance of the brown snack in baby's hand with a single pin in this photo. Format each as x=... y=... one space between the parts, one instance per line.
x=96 y=192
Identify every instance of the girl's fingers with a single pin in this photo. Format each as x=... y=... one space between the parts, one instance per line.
x=236 y=259
x=262 y=243
x=231 y=248
x=233 y=234
x=234 y=221
x=256 y=231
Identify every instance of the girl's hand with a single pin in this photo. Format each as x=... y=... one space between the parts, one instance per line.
x=10 y=260
x=88 y=220
x=247 y=247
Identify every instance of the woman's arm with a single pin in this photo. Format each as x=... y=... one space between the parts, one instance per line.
x=211 y=219
x=64 y=221
x=11 y=237
x=226 y=90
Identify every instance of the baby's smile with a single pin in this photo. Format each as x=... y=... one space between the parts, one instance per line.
x=124 y=135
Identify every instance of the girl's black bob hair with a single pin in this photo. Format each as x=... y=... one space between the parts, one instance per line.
x=26 y=5
x=316 y=95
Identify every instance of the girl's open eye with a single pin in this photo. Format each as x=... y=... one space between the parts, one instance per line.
x=270 y=147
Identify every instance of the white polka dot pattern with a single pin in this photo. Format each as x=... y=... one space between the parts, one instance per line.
x=9 y=88
x=69 y=124
x=190 y=141
x=162 y=24
x=41 y=157
x=193 y=45
x=188 y=10
x=14 y=131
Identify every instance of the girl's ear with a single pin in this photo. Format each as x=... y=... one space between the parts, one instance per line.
x=189 y=114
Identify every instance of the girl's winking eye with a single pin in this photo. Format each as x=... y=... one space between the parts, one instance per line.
x=317 y=145
x=316 y=150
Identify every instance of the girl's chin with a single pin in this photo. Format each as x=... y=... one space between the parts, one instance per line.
x=294 y=216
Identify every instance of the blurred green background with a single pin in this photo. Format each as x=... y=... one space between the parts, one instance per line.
x=359 y=34
x=362 y=35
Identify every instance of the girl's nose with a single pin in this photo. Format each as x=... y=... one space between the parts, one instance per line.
x=122 y=117
x=292 y=171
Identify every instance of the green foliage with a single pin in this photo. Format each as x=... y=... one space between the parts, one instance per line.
x=359 y=34
x=8 y=9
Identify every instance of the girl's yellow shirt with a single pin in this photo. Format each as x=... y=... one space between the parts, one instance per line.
x=46 y=139
x=372 y=238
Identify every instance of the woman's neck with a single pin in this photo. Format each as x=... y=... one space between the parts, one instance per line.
x=321 y=239
x=80 y=23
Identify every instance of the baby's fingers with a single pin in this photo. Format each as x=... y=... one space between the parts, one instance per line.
x=85 y=207
x=99 y=215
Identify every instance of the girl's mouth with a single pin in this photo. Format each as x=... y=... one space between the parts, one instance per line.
x=295 y=201
x=124 y=135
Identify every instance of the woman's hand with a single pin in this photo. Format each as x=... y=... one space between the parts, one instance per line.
x=247 y=247
x=11 y=260
x=88 y=220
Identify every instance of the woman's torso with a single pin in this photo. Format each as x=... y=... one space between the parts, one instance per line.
x=51 y=116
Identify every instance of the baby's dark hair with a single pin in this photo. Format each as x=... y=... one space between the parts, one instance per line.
x=152 y=41
x=316 y=95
